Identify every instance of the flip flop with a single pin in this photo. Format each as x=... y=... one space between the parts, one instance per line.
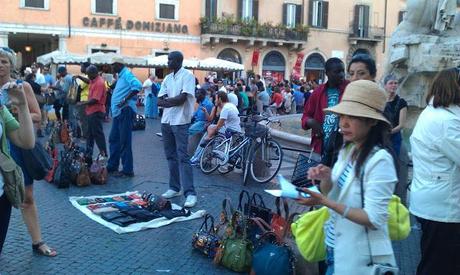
x=50 y=252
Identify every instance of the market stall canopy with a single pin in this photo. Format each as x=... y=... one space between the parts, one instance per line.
x=215 y=64
x=61 y=57
x=161 y=61
x=100 y=58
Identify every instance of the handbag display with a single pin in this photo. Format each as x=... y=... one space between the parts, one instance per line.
x=98 y=171
x=139 y=123
x=272 y=256
x=303 y=163
x=205 y=239
x=37 y=161
x=279 y=223
x=309 y=234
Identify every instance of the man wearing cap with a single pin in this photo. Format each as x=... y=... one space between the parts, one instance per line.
x=325 y=96
x=123 y=107
x=177 y=97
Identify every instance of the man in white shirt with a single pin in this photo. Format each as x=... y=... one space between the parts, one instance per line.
x=229 y=121
x=220 y=85
x=177 y=97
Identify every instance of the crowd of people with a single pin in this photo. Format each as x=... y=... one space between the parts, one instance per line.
x=355 y=124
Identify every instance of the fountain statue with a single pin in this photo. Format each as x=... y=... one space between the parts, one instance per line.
x=426 y=41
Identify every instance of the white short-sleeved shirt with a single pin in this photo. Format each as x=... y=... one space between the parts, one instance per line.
x=174 y=84
x=230 y=113
x=232 y=98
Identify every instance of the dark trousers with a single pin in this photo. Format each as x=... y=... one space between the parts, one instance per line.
x=5 y=213
x=57 y=110
x=175 y=142
x=120 y=141
x=440 y=247
x=96 y=133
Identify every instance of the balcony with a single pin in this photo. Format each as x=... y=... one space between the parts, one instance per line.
x=252 y=32
x=370 y=34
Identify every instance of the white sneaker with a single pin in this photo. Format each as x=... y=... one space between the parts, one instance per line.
x=190 y=201
x=171 y=194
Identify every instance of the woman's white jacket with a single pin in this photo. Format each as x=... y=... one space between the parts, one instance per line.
x=352 y=246
x=435 y=144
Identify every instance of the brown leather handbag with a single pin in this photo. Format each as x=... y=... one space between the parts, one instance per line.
x=83 y=177
x=98 y=171
x=64 y=133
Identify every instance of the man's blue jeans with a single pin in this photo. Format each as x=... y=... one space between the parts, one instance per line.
x=120 y=141
x=175 y=142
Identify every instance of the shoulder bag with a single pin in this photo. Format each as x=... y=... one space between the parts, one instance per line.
x=13 y=180
x=37 y=161
x=279 y=223
x=309 y=234
x=272 y=256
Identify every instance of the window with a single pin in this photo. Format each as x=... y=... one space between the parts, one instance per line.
x=104 y=6
x=35 y=4
x=211 y=9
x=167 y=9
x=318 y=13
x=292 y=15
x=361 y=21
x=401 y=15
x=248 y=9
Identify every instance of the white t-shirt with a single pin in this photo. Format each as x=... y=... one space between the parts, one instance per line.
x=174 y=84
x=232 y=98
x=230 y=113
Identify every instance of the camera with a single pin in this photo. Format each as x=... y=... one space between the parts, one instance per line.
x=382 y=269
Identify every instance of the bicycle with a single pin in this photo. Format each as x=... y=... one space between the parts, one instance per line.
x=255 y=152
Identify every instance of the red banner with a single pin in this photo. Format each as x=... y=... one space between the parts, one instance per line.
x=298 y=64
x=255 y=58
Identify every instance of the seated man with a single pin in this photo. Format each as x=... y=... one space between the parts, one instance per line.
x=203 y=108
x=229 y=121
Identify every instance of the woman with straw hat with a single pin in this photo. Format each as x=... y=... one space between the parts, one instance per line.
x=358 y=188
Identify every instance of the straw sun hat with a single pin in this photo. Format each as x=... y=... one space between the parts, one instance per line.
x=362 y=98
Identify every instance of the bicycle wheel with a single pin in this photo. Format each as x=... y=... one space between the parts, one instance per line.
x=208 y=160
x=225 y=169
x=265 y=161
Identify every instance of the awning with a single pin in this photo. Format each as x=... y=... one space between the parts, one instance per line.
x=215 y=64
x=161 y=61
x=100 y=58
x=61 y=57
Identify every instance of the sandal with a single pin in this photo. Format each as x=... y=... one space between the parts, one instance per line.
x=37 y=248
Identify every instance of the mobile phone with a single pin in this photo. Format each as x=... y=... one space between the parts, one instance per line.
x=302 y=193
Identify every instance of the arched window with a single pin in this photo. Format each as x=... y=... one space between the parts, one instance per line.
x=314 y=68
x=362 y=51
x=230 y=55
x=274 y=66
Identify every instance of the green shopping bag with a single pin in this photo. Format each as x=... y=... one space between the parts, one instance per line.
x=398 y=219
x=309 y=234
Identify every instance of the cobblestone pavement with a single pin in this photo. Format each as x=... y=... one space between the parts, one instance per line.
x=86 y=247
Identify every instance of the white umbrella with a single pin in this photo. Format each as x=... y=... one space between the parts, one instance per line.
x=161 y=61
x=215 y=64
x=61 y=57
x=100 y=58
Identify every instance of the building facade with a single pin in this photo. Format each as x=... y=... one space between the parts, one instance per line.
x=276 y=38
